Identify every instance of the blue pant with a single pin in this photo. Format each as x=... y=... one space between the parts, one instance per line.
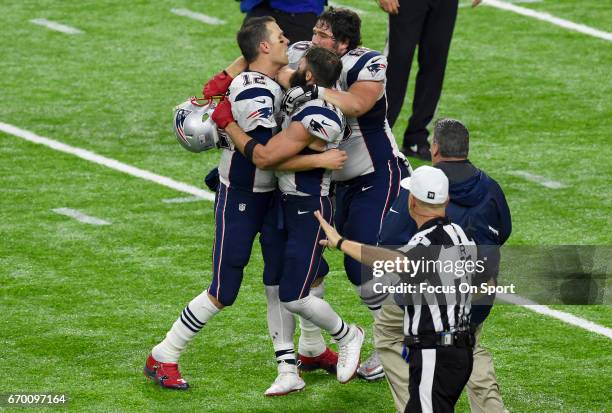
x=361 y=205
x=303 y=260
x=239 y=216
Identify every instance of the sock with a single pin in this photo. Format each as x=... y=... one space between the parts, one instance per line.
x=341 y=332
x=317 y=311
x=192 y=319
x=375 y=311
x=311 y=342
x=281 y=326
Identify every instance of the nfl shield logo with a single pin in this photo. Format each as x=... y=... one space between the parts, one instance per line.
x=241 y=207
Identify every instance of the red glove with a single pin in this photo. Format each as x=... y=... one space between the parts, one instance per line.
x=218 y=85
x=222 y=114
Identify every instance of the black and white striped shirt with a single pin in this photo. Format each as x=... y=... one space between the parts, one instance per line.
x=446 y=309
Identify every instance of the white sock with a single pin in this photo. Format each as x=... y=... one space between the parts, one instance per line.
x=317 y=311
x=311 y=342
x=194 y=316
x=371 y=302
x=281 y=326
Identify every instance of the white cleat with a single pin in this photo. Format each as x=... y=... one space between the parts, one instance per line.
x=286 y=382
x=349 y=350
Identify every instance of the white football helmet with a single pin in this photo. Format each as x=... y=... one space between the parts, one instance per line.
x=193 y=125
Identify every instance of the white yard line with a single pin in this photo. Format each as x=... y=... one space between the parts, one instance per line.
x=566 y=24
x=355 y=9
x=197 y=16
x=179 y=186
x=81 y=217
x=56 y=26
x=108 y=162
x=548 y=183
x=183 y=200
x=559 y=315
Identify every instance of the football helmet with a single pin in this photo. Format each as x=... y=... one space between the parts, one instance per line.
x=193 y=125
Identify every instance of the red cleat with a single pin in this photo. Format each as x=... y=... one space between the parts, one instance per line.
x=165 y=374
x=326 y=361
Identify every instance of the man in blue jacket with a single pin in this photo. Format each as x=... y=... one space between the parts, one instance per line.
x=477 y=204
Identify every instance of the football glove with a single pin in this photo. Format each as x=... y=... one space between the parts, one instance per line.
x=218 y=85
x=222 y=115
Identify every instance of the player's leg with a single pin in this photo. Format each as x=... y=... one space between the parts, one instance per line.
x=281 y=323
x=235 y=230
x=302 y=258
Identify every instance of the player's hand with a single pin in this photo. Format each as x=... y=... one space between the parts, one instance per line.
x=332 y=235
x=297 y=96
x=332 y=159
x=476 y=2
x=218 y=85
x=222 y=114
x=390 y=6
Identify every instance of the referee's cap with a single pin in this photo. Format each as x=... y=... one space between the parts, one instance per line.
x=427 y=184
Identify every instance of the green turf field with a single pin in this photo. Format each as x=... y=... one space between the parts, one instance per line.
x=83 y=305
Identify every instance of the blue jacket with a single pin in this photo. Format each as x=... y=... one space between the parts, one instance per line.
x=477 y=204
x=288 y=6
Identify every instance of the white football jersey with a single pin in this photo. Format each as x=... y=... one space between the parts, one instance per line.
x=323 y=121
x=255 y=100
x=369 y=142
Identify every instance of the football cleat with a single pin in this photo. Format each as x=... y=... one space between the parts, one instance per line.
x=348 y=354
x=372 y=368
x=165 y=374
x=326 y=361
x=287 y=381
x=417 y=151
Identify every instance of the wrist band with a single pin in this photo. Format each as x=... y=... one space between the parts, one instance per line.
x=249 y=148
x=339 y=244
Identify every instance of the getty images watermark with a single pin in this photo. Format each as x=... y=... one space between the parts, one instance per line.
x=576 y=275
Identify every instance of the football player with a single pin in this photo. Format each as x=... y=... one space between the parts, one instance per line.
x=369 y=182
x=311 y=128
x=244 y=199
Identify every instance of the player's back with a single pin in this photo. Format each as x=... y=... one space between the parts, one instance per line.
x=325 y=122
x=255 y=100
x=369 y=142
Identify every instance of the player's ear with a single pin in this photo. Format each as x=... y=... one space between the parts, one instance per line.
x=309 y=76
x=264 y=47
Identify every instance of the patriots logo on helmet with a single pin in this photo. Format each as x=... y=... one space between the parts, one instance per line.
x=317 y=127
x=376 y=67
x=179 y=120
x=262 y=113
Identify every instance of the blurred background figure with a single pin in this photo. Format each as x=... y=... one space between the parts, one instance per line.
x=295 y=17
x=428 y=24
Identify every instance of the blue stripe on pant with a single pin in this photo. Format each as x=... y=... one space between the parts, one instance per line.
x=303 y=259
x=239 y=216
x=361 y=205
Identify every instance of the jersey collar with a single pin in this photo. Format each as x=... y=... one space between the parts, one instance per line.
x=435 y=221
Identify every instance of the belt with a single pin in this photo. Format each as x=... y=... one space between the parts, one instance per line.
x=443 y=339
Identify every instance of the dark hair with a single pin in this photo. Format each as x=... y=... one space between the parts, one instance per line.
x=452 y=137
x=253 y=32
x=345 y=24
x=324 y=64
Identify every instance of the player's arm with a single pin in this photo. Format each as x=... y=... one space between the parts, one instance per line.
x=358 y=100
x=332 y=159
x=279 y=148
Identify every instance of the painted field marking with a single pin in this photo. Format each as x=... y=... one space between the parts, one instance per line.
x=179 y=186
x=566 y=24
x=184 y=200
x=108 y=162
x=197 y=16
x=559 y=315
x=80 y=216
x=355 y=9
x=56 y=26
x=548 y=183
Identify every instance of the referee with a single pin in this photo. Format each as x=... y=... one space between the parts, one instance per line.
x=436 y=325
